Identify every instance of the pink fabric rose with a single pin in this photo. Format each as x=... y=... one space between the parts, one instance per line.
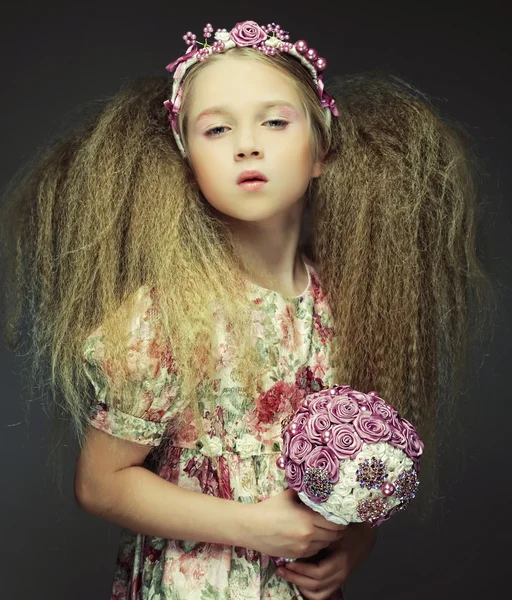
x=386 y=411
x=325 y=459
x=247 y=33
x=405 y=427
x=372 y=428
x=294 y=475
x=344 y=442
x=414 y=444
x=364 y=401
x=316 y=424
x=398 y=439
x=319 y=404
x=342 y=409
x=360 y=396
x=300 y=447
x=300 y=421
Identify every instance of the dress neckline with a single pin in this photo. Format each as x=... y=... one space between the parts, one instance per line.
x=264 y=290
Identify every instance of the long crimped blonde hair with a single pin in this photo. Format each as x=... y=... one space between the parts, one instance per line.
x=391 y=226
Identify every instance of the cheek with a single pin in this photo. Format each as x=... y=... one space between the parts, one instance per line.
x=296 y=151
x=203 y=165
x=209 y=176
x=207 y=154
x=300 y=163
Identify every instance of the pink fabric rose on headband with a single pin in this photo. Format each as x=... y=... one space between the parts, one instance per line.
x=247 y=33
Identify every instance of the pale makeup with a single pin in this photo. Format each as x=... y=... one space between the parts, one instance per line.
x=282 y=108
x=243 y=115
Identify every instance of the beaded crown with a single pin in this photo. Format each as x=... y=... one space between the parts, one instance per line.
x=268 y=39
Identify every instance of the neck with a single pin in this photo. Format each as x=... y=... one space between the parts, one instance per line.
x=270 y=251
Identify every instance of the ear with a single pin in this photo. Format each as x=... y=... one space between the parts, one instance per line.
x=317 y=169
x=318 y=166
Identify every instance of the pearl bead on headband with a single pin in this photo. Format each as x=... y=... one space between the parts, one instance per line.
x=267 y=39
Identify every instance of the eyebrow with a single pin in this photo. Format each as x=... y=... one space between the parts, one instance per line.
x=216 y=110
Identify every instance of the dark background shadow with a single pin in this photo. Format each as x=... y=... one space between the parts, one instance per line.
x=55 y=59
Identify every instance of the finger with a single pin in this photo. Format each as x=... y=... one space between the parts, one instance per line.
x=332 y=565
x=304 y=583
x=322 y=570
x=327 y=535
x=314 y=548
x=322 y=523
x=330 y=593
x=310 y=570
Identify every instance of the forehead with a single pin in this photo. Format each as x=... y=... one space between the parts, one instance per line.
x=239 y=81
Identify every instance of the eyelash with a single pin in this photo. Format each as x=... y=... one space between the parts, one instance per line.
x=282 y=125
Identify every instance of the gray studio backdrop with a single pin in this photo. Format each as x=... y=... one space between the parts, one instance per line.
x=54 y=59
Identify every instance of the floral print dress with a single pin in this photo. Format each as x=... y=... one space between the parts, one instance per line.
x=243 y=435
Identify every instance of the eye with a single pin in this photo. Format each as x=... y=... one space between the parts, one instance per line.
x=274 y=124
x=279 y=123
x=214 y=131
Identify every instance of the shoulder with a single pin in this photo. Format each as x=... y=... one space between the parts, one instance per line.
x=136 y=318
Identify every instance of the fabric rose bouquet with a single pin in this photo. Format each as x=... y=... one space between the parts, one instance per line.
x=350 y=456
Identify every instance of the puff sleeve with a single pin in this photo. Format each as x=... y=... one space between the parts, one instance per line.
x=145 y=374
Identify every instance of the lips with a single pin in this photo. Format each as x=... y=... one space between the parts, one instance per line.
x=250 y=176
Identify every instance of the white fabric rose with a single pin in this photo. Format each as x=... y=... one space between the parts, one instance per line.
x=247 y=446
x=343 y=488
x=360 y=492
x=400 y=462
x=350 y=507
x=393 y=464
x=406 y=463
x=350 y=479
x=222 y=35
x=367 y=451
x=322 y=509
x=273 y=42
x=334 y=503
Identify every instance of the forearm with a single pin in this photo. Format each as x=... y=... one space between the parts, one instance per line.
x=142 y=501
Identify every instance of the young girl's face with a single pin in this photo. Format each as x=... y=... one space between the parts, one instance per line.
x=244 y=115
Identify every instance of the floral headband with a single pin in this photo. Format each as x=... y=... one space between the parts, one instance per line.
x=267 y=39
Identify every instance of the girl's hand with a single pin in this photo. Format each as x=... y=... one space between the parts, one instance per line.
x=284 y=526
x=322 y=580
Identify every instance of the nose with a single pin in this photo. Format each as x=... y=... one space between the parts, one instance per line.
x=243 y=153
x=247 y=145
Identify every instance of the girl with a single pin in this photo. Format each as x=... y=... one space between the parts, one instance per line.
x=196 y=259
